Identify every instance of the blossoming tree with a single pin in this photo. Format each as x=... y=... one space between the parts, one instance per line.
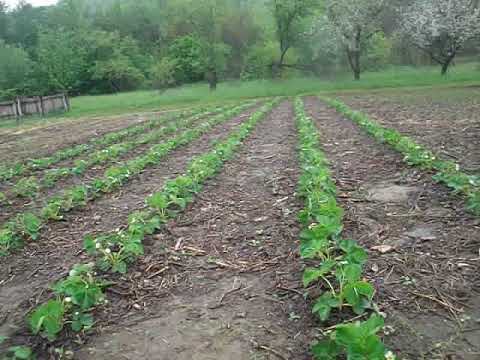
x=441 y=27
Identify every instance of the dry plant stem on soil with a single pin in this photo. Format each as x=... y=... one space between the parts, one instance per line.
x=82 y=290
x=26 y=226
x=28 y=188
x=447 y=172
x=336 y=264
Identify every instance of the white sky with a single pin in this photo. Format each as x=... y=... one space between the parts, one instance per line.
x=13 y=3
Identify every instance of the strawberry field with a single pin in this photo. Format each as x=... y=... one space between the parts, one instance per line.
x=281 y=228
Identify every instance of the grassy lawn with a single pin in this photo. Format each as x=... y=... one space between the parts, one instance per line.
x=139 y=101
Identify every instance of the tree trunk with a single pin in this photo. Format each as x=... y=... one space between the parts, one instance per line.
x=277 y=67
x=446 y=64
x=212 y=80
x=354 y=61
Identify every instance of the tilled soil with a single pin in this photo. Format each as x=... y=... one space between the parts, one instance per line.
x=224 y=280
x=25 y=276
x=451 y=129
x=423 y=247
x=45 y=141
x=21 y=204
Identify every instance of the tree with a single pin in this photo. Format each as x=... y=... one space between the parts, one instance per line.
x=355 y=22
x=187 y=53
x=119 y=72
x=290 y=22
x=117 y=63
x=441 y=27
x=62 y=60
x=3 y=20
x=15 y=69
x=206 y=20
x=163 y=74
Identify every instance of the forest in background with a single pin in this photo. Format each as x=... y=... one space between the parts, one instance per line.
x=106 y=46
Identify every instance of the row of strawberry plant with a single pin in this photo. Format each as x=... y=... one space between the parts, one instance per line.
x=10 y=171
x=28 y=187
x=336 y=264
x=27 y=225
x=77 y=296
x=447 y=172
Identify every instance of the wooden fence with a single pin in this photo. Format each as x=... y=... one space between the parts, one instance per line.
x=41 y=105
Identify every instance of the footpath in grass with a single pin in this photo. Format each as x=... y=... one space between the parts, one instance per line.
x=60 y=244
x=422 y=244
x=222 y=281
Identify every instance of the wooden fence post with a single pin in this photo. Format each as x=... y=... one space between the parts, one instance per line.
x=19 y=107
x=65 y=102
x=14 y=107
x=42 y=108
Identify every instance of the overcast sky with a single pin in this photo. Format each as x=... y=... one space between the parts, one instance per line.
x=12 y=3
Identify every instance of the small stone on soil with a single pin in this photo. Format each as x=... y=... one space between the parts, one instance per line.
x=391 y=193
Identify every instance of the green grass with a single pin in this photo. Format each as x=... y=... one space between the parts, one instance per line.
x=465 y=74
x=192 y=95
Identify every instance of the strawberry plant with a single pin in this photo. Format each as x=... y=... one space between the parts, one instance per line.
x=52 y=211
x=48 y=319
x=26 y=187
x=339 y=270
x=28 y=226
x=81 y=288
x=9 y=240
x=357 y=340
x=19 y=353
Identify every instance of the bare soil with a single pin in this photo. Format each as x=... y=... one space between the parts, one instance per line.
x=426 y=268
x=26 y=275
x=444 y=122
x=224 y=280
x=17 y=204
x=21 y=145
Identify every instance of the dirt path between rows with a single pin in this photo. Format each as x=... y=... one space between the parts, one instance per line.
x=231 y=281
x=426 y=272
x=25 y=276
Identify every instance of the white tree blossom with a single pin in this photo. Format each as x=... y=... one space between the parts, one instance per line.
x=441 y=27
x=354 y=21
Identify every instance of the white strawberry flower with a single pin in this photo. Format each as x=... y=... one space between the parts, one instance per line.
x=68 y=299
x=390 y=356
